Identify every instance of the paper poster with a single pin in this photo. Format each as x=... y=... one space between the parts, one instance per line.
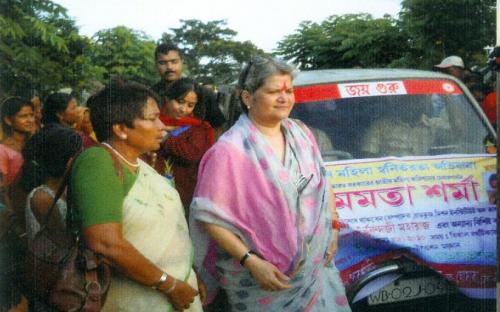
x=438 y=211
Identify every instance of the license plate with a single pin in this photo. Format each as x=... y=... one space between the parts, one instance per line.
x=409 y=289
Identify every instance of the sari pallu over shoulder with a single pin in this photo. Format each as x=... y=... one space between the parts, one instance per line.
x=154 y=223
x=242 y=186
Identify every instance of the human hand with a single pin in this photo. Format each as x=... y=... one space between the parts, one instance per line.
x=332 y=249
x=170 y=128
x=268 y=276
x=181 y=296
x=202 y=288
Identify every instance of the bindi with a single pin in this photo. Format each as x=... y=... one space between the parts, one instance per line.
x=284 y=87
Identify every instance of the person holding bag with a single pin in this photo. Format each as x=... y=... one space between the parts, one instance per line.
x=47 y=154
x=137 y=225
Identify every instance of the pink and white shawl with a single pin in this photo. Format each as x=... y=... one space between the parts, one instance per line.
x=244 y=187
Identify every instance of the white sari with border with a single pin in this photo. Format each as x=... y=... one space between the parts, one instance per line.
x=154 y=223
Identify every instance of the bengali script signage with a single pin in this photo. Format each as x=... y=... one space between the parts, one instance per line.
x=360 y=89
x=436 y=210
x=334 y=91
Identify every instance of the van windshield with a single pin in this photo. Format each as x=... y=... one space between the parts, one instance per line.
x=394 y=125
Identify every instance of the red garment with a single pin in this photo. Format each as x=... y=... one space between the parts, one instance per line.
x=185 y=152
x=490 y=107
x=11 y=162
x=88 y=142
x=189 y=121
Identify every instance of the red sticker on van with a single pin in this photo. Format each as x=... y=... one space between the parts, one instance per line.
x=315 y=93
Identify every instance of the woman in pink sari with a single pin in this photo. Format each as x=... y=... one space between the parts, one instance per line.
x=263 y=218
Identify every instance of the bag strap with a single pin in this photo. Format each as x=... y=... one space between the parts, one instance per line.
x=60 y=190
x=92 y=286
x=67 y=176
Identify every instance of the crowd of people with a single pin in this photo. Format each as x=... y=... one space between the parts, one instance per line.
x=483 y=91
x=180 y=218
x=183 y=220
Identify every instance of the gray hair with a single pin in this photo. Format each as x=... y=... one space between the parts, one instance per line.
x=258 y=69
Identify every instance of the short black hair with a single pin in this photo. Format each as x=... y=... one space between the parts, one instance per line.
x=179 y=88
x=164 y=48
x=55 y=103
x=46 y=154
x=120 y=102
x=10 y=107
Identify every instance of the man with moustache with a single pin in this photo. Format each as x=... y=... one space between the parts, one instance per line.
x=169 y=62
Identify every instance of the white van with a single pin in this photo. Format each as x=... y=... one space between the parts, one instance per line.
x=407 y=155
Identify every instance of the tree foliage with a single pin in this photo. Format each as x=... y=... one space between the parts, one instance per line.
x=344 y=41
x=40 y=48
x=211 y=53
x=436 y=29
x=425 y=32
x=125 y=53
x=308 y=46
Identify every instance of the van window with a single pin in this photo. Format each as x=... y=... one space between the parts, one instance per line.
x=394 y=125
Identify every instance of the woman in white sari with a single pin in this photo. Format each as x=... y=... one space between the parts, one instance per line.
x=129 y=213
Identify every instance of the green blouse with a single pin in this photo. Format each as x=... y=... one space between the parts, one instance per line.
x=96 y=190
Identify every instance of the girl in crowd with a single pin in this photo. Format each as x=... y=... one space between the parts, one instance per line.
x=188 y=139
x=84 y=127
x=18 y=122
x=47 y=155
x=60 y=108
x=263 y=216
x=130 y=214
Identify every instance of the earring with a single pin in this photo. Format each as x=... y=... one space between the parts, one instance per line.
x=249 y=107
